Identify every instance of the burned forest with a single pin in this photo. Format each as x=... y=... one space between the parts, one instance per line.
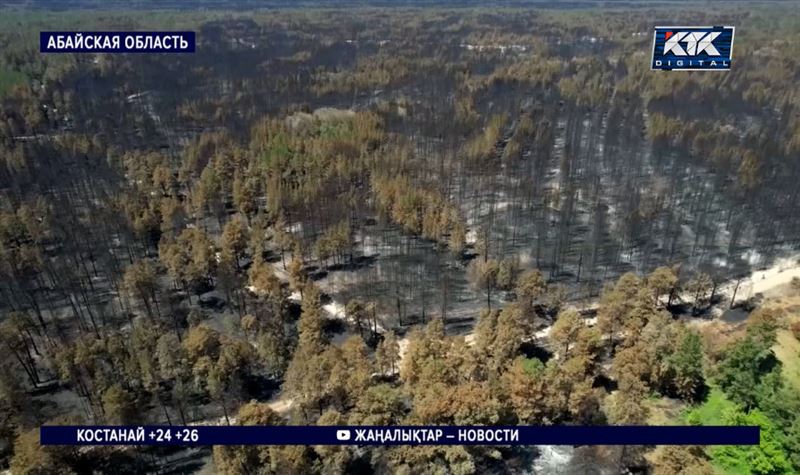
x=400 y=216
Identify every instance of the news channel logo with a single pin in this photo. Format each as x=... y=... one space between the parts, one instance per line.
x=692 y=48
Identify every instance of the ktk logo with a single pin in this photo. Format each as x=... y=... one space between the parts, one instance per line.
x=696 y=43
x=692 y=48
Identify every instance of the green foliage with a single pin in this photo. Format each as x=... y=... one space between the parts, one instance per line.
x=277 y=151
x=751 y=391
x=767 y=458
x=745 y=365
x=779 y=423
x=711 y=411
x=10 y=78
x=792 y=442
x=301 y=156
x=686 y=366
x=342 y=130
x=533 y=366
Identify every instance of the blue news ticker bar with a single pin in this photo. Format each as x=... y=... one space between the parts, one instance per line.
x=117 y=41
x=399 y=435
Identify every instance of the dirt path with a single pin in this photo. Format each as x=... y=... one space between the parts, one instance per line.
x=764 y=281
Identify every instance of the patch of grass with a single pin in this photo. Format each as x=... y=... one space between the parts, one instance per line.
x=787 y=349
x=336 y=130
x=710 y=412
x=278 y=152
x=9 y=78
